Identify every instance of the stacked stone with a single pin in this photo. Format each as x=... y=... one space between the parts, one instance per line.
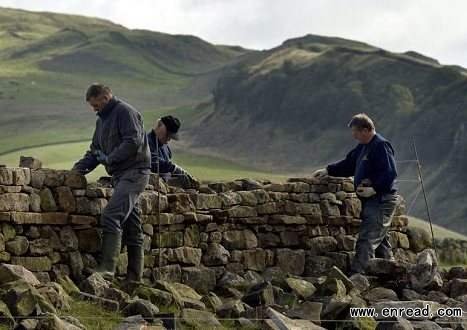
x=49 y=224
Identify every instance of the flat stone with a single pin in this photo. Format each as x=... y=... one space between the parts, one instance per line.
x=215 y=255
x=82 y=220
x=34 y=264
x=239 y=240
x=18 y=246
x=201 y=279
x=40 y=247
x=6 y=176
x=66 y=200
x=48 y=203
x=186 y=256
x=255 y=259
x=288 y=219
x=14 y=202
x=319 y=245
x=291 y=261
x=280 y=321
x=241 y=212
x=307 y=310
x=141 y=307
x=10 y=273
x=156 y=296
x=380 y=294
x=95 y=284
x=207 y=201
x=303 y=289
x=199 y=319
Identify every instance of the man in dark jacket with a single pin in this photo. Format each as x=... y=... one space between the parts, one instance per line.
x=373 y=167
x=166 y=129
x=120 y=144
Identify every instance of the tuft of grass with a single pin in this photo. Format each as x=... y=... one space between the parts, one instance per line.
x=92 y=316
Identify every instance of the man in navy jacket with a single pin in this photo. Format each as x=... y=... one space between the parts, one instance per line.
x=373 y=167
x=166 y=129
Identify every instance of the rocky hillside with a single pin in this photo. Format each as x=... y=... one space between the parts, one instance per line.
x=287 y=109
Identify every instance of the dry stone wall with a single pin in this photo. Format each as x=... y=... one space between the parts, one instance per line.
x=49 y=222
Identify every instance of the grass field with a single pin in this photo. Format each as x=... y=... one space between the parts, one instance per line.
x=63 y=156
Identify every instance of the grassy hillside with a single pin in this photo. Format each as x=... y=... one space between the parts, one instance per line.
x=287 y=109
x=48 y=60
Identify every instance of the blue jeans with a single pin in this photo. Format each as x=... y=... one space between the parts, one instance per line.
x=377 y=213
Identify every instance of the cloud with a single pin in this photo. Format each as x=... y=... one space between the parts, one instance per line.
x=434 y=28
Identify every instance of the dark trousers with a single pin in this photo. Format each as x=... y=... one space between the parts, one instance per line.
x=377 y=213
x=122 y=214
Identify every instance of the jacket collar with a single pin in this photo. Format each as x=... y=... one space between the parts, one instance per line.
x=154 y=137
x=109 y=107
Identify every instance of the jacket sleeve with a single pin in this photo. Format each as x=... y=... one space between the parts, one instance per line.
x=345 y=167
x=382 y=158
x=165 y=165
x=131 y=130
x=89 y=162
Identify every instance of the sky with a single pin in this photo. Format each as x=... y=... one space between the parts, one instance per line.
x=434 y=28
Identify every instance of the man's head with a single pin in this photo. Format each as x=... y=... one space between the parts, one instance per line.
x=166 y=129
x=98 y=96
x=363 y=128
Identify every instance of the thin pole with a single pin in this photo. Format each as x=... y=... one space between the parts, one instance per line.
x=159 y=211
x=420 y=177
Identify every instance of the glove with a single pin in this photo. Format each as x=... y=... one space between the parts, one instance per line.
x=101 y=157
x=178 y=171
x=365 y=192
x=319 y=173
x=192 y=181
x=187 y=180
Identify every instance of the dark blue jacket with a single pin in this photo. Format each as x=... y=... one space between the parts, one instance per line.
x=374 y=161
x=164 y=155
x=120 y=135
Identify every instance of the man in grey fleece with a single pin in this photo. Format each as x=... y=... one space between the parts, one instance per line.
x=120 y=144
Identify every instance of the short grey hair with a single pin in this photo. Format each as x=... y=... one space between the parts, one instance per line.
x=362 y=121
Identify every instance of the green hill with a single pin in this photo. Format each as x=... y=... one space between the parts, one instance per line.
x=287 y=109
x=49 y=59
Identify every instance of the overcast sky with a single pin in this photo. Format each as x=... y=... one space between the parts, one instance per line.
x=433 y=27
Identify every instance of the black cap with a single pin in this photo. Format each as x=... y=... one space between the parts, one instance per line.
x=172 y=124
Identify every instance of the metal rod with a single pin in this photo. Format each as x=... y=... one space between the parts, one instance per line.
x=159 y=239
x=420 y=177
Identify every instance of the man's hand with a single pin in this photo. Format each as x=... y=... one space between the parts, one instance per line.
x=101 y=157
x=192 y=181
x=319 y=173
x=365 y=192
x=178 y=171
x=187 y=180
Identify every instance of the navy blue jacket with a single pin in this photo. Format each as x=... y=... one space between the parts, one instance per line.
x=374 y=161
x=120 y=135
x=164 y=155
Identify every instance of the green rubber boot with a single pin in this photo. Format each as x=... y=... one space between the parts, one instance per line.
x=111 y=245
x=134 y=271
